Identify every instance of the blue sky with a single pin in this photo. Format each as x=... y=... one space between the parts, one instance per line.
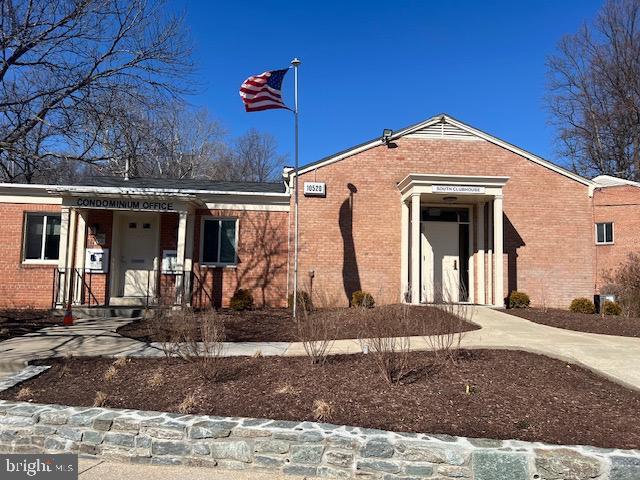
x=369 y=65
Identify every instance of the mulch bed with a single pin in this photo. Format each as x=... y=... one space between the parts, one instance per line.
x=276 y=325
x=514 y=395
x=14 y=323
x=581 y=322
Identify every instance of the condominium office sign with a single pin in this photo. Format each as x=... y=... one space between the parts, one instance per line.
x=152 y=204
x=459 y=189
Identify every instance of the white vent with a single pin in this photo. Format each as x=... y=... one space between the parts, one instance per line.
x=443 y=131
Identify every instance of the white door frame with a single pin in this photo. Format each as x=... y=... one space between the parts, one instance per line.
x=471 y=279
x=116 y=246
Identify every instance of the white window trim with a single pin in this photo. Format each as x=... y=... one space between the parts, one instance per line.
x=613 y=234
x=41 y=260
x=218 y=264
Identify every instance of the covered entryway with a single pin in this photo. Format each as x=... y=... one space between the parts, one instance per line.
x=452 y=239
x=130 y=249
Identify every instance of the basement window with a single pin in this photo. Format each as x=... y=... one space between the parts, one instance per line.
x=41 y=237
x=604 y=233
x=219 y=241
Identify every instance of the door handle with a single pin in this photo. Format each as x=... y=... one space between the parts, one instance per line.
x=455 y=264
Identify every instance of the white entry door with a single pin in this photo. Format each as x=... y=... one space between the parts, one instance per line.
x=440 y=262
x=138 y=247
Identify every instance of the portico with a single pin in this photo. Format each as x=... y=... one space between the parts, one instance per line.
x=125 y=247
x=452 y=239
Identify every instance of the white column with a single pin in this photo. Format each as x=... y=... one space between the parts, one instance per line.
x=490 y=254
x=480 y=243
x=415 y=248
x=180 y=254
x=404 y=251
x=188 y=257
x=498 y=239
x=63 y=257
x=81 y=238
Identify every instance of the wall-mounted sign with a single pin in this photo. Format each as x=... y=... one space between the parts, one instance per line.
x=97 y=260
x=126 y=204
x=314 y=189
x=460 y=189
x=169 y=261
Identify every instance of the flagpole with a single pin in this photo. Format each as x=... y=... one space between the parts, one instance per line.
x=295 y=63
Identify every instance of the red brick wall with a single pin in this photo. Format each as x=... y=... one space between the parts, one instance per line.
x=620 y=205
x=262 y=260
x=99 y=282
x=22 y=285
x=168 y=241
x=547 y=224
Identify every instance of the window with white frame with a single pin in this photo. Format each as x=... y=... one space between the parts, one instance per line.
x=604 y=233
x=219 y=241
x=41 y=236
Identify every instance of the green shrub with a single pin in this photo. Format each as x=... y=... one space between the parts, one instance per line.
x=362 y=299
x=304 y=301
x=241 y=300
x=582 y=305
x=519 y=300
x=611 y=308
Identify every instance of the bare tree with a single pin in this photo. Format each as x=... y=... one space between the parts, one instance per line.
x=255 y=158
x=65 y=63
x=594 y=93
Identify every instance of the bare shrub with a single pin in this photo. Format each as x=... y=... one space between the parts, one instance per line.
x=161 y=326
x=100 y=399
x=322 y=410
x=156 y=379
x=380 y=339
x=188 y=403
x=121 y=362
x=449 y=318
x=200 y=341
x=624 y=283
x=25 y=393
x=111 y=373
x=317 y=330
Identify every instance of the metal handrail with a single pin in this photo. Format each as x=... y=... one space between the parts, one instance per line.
x=86 y=296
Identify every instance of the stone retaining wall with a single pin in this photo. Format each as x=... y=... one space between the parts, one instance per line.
x=298 y=448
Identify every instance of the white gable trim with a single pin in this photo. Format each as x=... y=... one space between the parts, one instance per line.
x=462 y=126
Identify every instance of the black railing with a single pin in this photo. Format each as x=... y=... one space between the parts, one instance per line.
x=91 y=288
x=79 y=282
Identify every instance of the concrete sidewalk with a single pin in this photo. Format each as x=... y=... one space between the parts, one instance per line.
x=612 y=356
x=95 y=469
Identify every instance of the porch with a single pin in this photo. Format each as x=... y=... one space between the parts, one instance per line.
x=452 y=239
x=126 y=250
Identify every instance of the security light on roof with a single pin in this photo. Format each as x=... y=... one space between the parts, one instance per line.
x=386 y=135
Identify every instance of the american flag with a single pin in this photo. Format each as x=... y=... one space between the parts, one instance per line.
x=263 y=92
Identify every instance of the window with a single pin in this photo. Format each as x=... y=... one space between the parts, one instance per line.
x=218 y=241
x=41 y=236
x=604 y=233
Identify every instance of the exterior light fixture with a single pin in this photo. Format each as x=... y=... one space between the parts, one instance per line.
x=386 y=135
x=450 y=199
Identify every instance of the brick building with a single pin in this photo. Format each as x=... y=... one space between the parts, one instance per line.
x=410 y=216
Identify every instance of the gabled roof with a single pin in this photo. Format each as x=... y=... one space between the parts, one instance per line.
x=441 y=118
